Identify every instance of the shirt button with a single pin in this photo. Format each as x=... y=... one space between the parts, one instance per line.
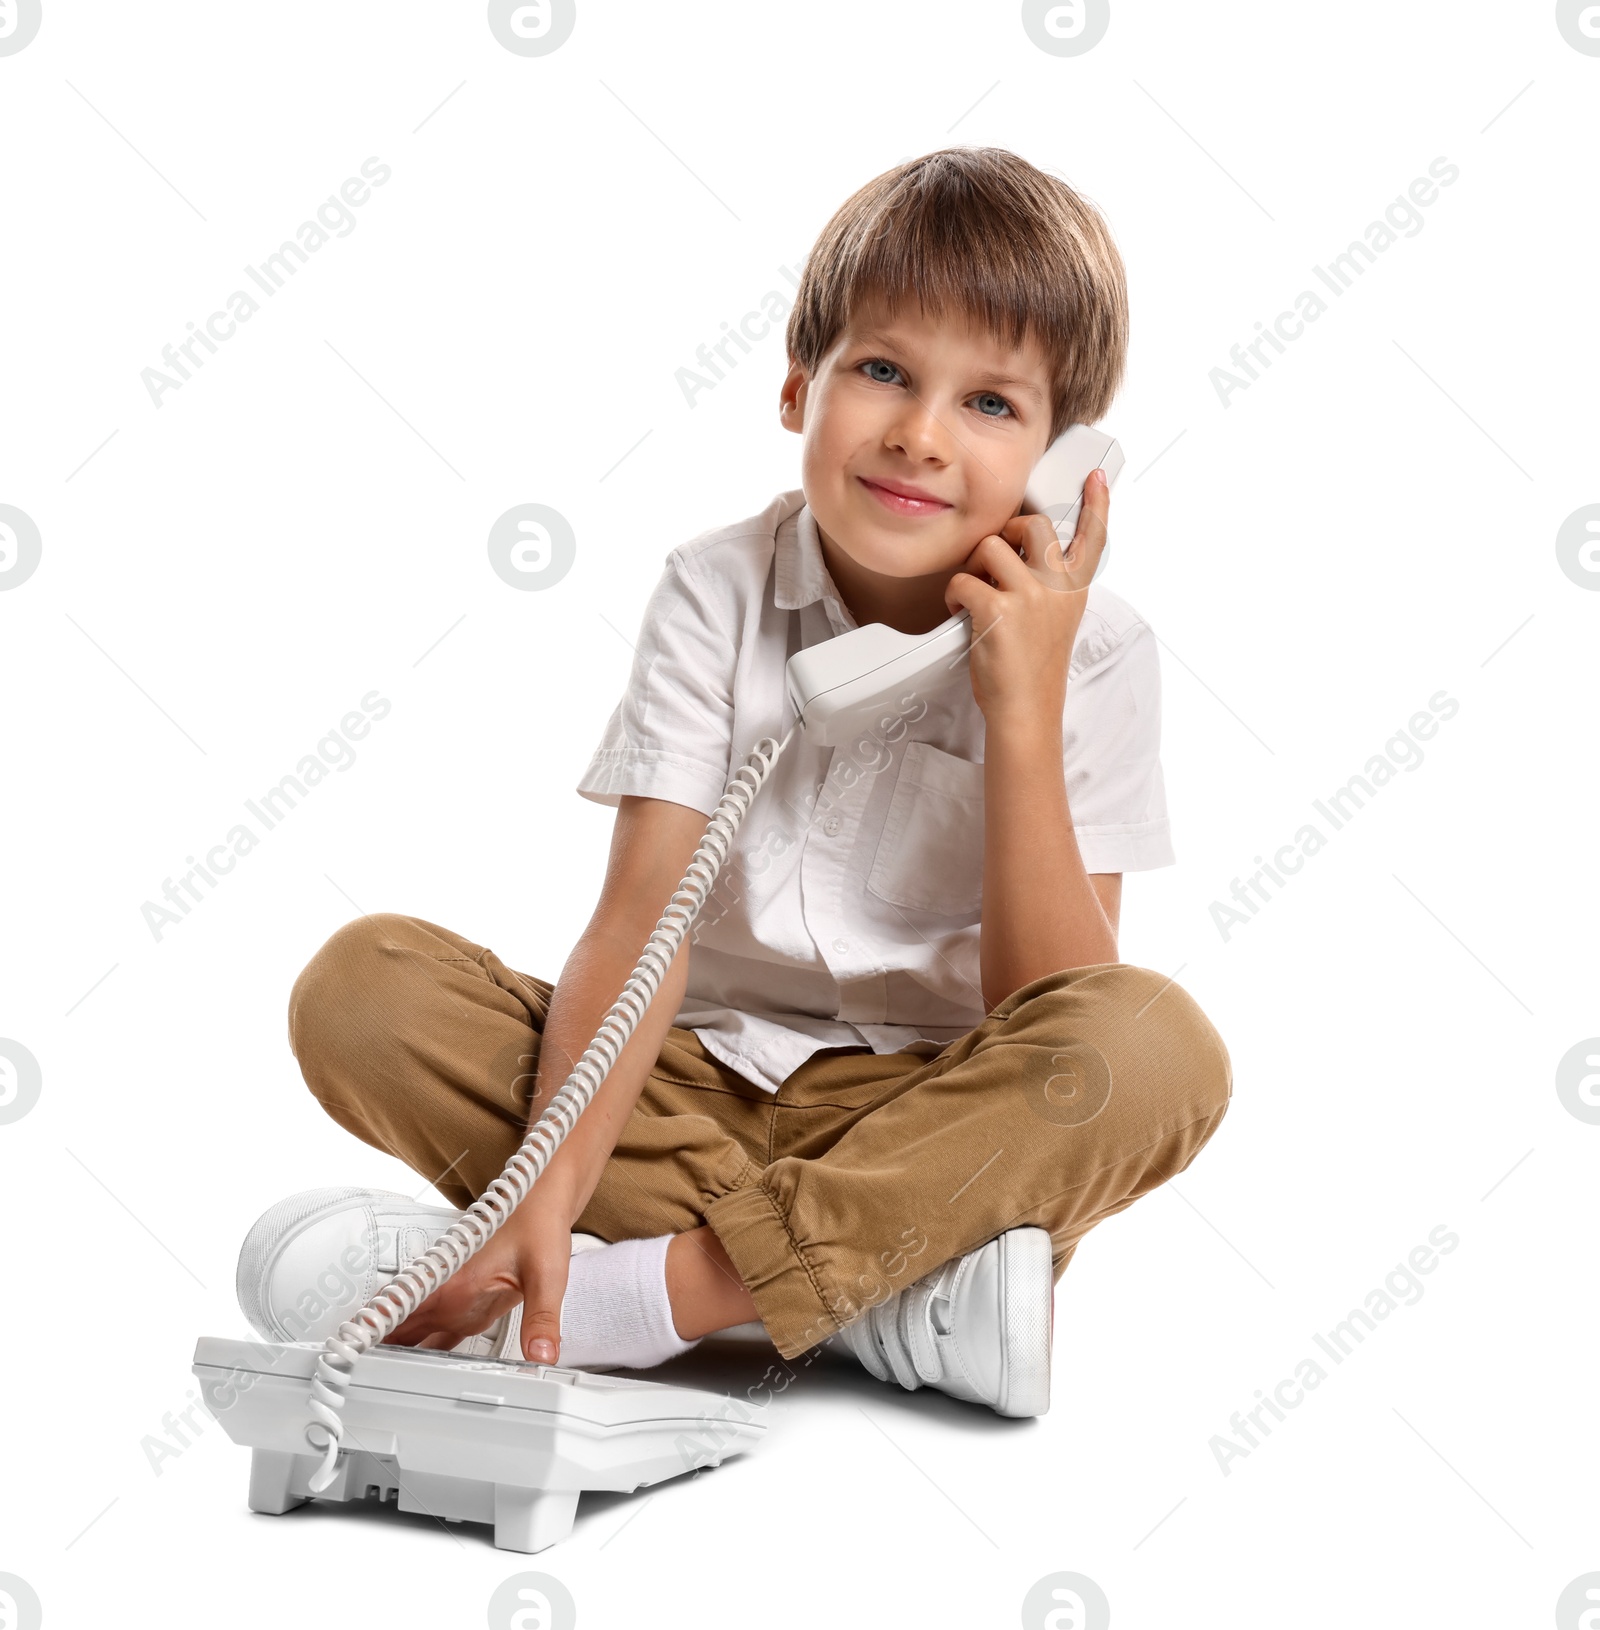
x=841 y=945
x=831 y=825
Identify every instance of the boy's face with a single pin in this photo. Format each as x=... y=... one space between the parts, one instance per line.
x=906 y=403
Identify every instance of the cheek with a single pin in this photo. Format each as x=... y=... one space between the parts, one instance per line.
x=829 y=447
x=815 y=463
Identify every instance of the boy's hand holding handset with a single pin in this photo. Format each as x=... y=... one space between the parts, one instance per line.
x=1026 y=611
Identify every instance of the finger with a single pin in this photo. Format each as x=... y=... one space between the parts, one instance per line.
x=420 y=1329
x=1036 y=534
x=1089 y=537
x=417 y=1326
x=446 y=1327
x=965 y=592
x=541 y=1310
x=999 y=558
x=451 y=1314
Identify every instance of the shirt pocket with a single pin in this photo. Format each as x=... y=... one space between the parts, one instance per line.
x=930 y=856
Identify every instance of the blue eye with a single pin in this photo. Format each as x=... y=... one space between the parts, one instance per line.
x=891 y=373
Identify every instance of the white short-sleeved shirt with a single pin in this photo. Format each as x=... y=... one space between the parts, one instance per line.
x=847 y=911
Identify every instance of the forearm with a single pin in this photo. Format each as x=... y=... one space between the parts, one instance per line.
x=1040 y=911
x=599 y=966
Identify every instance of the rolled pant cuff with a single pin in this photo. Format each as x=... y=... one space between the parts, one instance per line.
x=755 y=1234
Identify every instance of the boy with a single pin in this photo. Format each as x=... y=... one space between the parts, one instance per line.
x=897 y=1070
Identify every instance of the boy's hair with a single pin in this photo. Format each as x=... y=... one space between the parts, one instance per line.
x=980 y=231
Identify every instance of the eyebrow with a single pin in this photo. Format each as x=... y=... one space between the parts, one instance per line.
x=879 y=336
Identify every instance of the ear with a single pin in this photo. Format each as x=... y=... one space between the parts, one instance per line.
x=792 y=398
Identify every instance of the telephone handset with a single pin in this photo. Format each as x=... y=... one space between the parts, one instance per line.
x=838 y=688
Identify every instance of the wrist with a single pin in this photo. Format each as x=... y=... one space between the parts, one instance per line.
x=554 y=1201
x=1030 y=727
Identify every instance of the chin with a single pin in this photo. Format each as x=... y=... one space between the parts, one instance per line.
x=895 y=556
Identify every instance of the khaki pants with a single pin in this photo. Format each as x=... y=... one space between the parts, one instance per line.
x=1076 y=1095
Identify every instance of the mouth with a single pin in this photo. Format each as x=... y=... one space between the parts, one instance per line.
x=901 y=501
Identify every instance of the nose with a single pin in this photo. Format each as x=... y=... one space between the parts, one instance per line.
x=919 y=432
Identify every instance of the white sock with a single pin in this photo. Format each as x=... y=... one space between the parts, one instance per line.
x=616 y=1312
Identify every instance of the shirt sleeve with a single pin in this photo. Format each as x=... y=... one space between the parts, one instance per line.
x=670 y=736
x=1112 y=748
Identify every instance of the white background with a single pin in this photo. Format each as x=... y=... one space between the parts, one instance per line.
x=1373 y=521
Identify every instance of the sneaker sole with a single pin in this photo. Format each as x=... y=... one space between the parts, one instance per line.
x=1027 y=1293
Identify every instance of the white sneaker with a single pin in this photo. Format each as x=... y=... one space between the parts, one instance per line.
x=978 y=1328
x=316 y=1258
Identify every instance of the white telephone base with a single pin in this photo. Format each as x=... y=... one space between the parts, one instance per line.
x=465 y=1440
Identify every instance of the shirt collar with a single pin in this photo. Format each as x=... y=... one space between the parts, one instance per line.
x=802 y=573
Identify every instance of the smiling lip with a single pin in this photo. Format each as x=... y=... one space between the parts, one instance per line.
x=901 y=499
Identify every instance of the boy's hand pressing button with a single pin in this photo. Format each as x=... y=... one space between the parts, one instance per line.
x=524 y=1266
